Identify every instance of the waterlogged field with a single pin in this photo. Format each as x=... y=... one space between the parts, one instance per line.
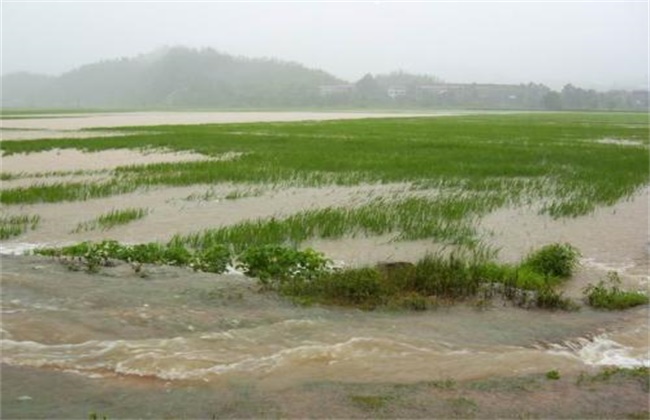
x=428 y=300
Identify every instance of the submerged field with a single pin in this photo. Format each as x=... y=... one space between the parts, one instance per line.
x=452 y=168
x=363 y=192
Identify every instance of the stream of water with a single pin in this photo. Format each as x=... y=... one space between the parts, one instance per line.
x=177 y=327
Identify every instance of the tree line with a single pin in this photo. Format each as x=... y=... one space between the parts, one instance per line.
x=181 y=77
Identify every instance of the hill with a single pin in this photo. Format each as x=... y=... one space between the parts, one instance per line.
x=177 y=77
x=182 y=77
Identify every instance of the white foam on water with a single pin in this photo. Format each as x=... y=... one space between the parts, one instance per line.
x=19 y=248
x=602 y=351
x=180 y=358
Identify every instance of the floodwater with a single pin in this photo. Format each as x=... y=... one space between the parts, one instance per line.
x=49 y=126
x=72 y=160
x=182 y=331
x=173 y=343
x=200 y=344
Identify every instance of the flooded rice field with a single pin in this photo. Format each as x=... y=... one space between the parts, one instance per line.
x=169 y=342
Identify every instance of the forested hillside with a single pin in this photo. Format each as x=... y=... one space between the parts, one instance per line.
x=177 y=77
x=182 y=78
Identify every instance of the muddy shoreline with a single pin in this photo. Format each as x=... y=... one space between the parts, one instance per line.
x=528 y=396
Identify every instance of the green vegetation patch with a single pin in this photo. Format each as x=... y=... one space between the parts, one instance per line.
x=445 y=219
x=555 y=260
x=91 y=256
x=309 y=277
x=113 y=218
x=545 y=157
x=11 y=226
x=433 y=280
x=608 y=295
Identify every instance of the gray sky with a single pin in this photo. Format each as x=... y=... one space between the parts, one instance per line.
x=593 y=44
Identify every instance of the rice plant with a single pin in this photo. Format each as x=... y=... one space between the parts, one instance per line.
x=112 y=219
x=11 y=226
x=511 y=155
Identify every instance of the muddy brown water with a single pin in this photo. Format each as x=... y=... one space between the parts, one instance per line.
x=176 y=333
x=69 y=125
x=179 y=343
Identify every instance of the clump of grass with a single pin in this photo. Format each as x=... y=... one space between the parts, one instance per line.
x=554 y=260
x=111 y=219
x=11 y=226
x=433 y=280
x=608 y=295
x=553 y=375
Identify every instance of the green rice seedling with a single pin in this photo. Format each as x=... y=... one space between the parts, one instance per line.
x=408 y=219
x=11 y=226
x=111 y=219
x=237 y=194
x=548 y=158
x=73 y=191
x=120 y=217
x=608 y=295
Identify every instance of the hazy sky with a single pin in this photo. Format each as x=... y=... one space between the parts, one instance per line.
x=589 y=43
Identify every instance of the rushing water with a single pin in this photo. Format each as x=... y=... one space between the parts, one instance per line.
x=192 y=329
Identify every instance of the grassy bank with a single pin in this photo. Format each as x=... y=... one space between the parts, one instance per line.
x=308 y=277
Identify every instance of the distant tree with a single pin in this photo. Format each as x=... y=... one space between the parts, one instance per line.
x=368 y=90
x=552 y=101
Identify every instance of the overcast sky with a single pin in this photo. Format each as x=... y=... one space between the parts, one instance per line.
x=590 y=43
